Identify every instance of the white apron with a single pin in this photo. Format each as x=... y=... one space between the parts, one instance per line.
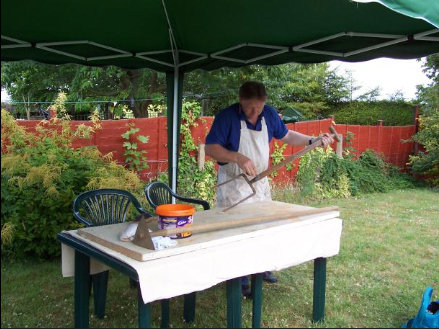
x=254 y=145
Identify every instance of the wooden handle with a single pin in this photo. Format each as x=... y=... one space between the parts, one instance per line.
x=294 y=156
x=334 y=132
x=287 y=160
x=240 y=222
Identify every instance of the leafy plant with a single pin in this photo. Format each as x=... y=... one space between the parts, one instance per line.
x=322 y=175
x=192 y=181
x=42 y=173
x=349 y=150
x=277 y=156
x=426 y=162
x=135 y=159
x=155 y=110
x=7 y=234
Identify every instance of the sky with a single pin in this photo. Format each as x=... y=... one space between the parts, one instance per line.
x=390 y=75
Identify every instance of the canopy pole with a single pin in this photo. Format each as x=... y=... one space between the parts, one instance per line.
x=175 y=134
x=173 y=140
x=174 y=88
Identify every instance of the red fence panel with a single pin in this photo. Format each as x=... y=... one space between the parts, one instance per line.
x=393 y=142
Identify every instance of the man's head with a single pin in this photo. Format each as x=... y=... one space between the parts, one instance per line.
x=252 y=97
x=253 y=90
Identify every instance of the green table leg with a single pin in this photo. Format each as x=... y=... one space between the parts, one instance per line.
x=82 y=290
x=144 y=311
x=189 y=307
x=257 y=300
x=100 y=284
x=165 y=313
x=234 y=316
x=133 y=284
x=318 y=312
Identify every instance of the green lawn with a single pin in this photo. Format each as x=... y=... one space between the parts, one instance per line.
x=389 y=255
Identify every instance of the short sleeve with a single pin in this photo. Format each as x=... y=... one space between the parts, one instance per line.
x=219 y=131
x=277 y=126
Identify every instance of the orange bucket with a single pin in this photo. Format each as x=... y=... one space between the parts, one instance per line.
x=175 y=215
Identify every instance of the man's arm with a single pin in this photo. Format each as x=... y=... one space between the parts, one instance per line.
x=295 y=138
x=221 y=154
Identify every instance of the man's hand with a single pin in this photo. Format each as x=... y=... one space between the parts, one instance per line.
x=246 y=165
x=220 y=154
x=326 y=139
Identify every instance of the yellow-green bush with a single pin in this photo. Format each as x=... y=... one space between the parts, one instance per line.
x=41 y=175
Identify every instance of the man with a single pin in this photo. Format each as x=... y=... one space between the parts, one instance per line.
x=239 y=140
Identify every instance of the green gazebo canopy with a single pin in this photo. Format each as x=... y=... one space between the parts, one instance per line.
x=176 y=36
x=213 y=34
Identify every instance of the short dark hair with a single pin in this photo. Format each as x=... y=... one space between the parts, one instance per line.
x=253 y=89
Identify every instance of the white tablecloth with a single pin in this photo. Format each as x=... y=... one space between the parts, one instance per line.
x=274 y=248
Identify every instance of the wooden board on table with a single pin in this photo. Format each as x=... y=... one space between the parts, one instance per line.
x=108 y=235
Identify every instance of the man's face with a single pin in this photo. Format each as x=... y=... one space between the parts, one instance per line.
x=252 y=108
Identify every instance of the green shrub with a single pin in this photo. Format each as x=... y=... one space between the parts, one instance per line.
x=41 y=175
x=368 y=113
x=426 y=163
x=192 y=181
x=322 y=174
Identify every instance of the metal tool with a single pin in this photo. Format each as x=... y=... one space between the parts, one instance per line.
x=143 y=236
x=268 y=171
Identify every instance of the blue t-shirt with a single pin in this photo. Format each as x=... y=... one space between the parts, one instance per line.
x=226 y=127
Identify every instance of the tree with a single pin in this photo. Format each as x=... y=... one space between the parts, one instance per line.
x=427 y=162
x=341 y=88
x=309 y=88
x=134 y=88
x=370 y=95
x=397 y=96
x=428 y=96
x=29 y=82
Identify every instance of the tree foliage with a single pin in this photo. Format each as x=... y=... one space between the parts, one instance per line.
x=426 y=162
x=29 y=83
x=393 y=113
x=41 y=173
x=309 y=88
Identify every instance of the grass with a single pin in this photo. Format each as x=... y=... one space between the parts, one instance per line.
x=389 y=255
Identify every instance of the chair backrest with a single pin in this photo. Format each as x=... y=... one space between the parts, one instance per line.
x=105 y=206
x=158 y=193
